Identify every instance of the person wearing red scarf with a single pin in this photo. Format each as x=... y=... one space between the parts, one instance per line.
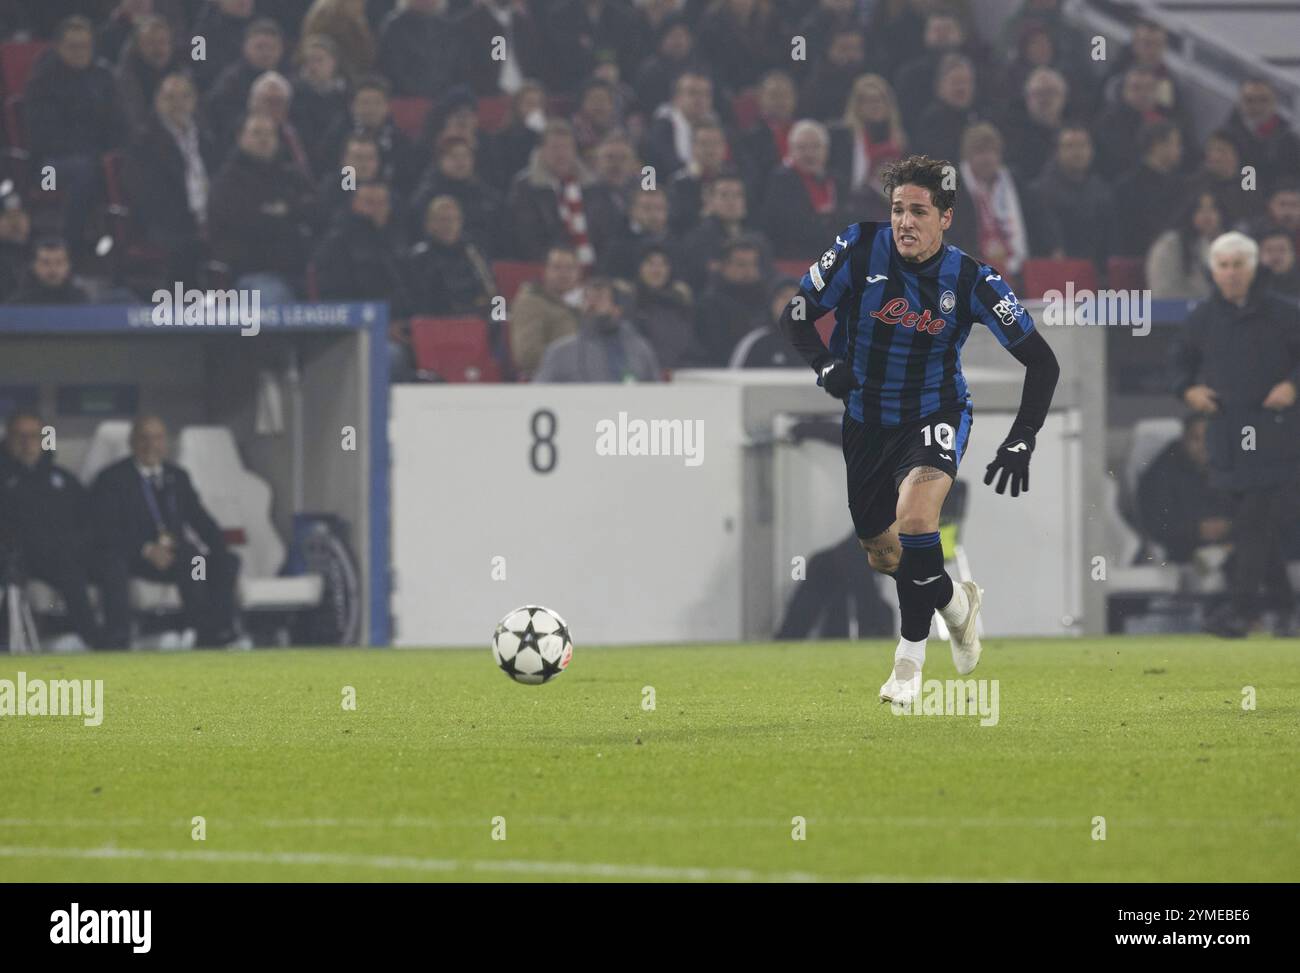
x=1261 y=136
x=802 y=204
x=763 y=145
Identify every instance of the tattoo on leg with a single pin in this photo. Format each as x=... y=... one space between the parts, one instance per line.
x=924 y=474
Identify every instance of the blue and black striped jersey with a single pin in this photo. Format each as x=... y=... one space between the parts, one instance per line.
x=901 y=325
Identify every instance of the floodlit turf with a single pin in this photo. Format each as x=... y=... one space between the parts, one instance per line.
x=1150 y=734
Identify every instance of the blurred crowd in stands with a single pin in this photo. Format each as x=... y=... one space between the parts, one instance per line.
x=438 y=154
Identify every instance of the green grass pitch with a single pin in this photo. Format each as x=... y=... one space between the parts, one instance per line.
x=1149 y=734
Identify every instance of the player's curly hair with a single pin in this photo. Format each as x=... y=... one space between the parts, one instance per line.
x=935 y=175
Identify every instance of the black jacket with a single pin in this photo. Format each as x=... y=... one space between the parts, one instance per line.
x=223 y=39
x=476 y=29
x=71 y=112
x=704 y=244
x=399 y=158
x=43 y=507
x=1173 y=497
x=124 y=522
x=939 y=130
x=573 y=41
x=448 y=280
x=1275 y=157
x=725 y=314
x=1080 y=214
x=14 y=259
x=312 y=114
x=227 y=102
x=155 y=181
x=796 y=231
x=258 y=214
x=504 y=154
x=357 y=261
x=536 y=222
x=420 y=53
x=1150 y=202
x=32 y=291
x=666 y=318
x=1241 y=353
x=659 y=148
x=482 y=208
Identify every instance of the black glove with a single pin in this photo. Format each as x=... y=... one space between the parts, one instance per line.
x=837 y=378
x=1012 y=461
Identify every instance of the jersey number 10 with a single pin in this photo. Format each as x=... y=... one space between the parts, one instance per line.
x=943 y=433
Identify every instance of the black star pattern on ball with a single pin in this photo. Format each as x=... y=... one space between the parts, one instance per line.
x=550 y=668
x=508 y=666
x=528 y=638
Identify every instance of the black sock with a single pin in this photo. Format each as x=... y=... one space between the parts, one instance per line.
x=923 y=584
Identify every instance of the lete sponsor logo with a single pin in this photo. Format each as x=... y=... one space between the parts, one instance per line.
x=898 y=312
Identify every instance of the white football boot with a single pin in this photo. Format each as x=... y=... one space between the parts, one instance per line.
x=903 y=685
x=964 y=635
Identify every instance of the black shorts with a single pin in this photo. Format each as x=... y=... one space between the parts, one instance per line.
x=877 y=459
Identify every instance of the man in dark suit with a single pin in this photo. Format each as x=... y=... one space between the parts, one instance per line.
x=152 y=525
x=46 y=514
x=170 y=162
x=1238 y=362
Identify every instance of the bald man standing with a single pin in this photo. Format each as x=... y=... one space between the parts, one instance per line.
x=152 y=525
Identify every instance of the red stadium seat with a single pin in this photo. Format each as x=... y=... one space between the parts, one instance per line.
x=511 y=274
x=1126 y=273
x=17 y=58
x=1041 y=275
x=409 y=114
x=454 y=349
x=16 y=61
x=493 y=112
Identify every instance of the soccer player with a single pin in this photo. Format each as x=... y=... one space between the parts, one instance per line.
x=904 y=304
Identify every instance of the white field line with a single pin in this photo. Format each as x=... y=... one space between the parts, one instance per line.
x=542 y=869
x=642 y=823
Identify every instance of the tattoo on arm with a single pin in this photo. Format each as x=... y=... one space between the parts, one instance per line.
x=924 y=474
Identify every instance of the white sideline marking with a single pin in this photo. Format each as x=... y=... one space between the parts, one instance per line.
x=508 y=866
x=646 y=822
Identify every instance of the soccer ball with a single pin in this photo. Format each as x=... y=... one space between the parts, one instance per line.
x=532 y=645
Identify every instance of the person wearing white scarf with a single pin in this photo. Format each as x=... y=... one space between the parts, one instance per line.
x=993 y=190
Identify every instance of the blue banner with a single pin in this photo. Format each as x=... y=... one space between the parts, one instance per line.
x=15 y=319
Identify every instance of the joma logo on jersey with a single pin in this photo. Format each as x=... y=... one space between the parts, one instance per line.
x=898 y=311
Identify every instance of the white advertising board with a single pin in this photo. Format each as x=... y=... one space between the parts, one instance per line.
x=550 y=494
